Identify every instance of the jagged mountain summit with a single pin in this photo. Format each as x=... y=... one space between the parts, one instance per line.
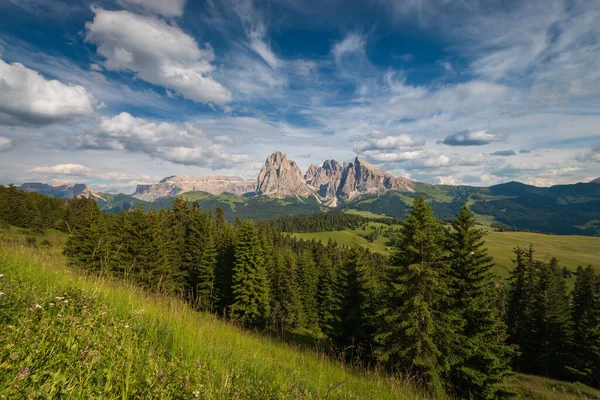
x=174 y=185
x=64 y=191
x=280 y=178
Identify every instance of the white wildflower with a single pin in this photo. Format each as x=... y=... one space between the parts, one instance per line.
x=37 y=305
x=51 y=304
x=59 y=298
x=126 y=325
x=1 y=275
x=1 y=294
x=196 y=393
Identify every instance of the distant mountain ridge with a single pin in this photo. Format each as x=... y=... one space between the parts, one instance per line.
x=282 y=189
x=62 y=191
x=174 y=185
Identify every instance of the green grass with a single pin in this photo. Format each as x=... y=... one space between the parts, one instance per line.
x=366 y=214
x=113 y=340
x=571 y=251
x=540 y=388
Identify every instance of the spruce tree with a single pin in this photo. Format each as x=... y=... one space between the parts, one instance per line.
x=482 y=357
x=286 y=306
x=328 y=294
x=308 y=279
x=414 y=323
x=585 y=313
x=520 y=298
x=549 y=340
x=250 y=287
x=225 y=247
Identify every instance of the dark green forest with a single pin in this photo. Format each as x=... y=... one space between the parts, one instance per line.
x=433 y=311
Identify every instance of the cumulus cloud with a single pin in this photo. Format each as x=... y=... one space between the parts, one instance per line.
x=62 y=169
x=157 y=52
x=178 y=143
x=6 y=144
x=26 y=97
x=471 y=138
x=380 y=141
x=168 y=8
x=503 y=153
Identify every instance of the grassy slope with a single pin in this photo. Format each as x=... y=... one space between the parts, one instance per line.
x=164 y=335
x=175 y=350
x=571 y=251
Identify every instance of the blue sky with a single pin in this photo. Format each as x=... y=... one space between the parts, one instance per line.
x=116 y=93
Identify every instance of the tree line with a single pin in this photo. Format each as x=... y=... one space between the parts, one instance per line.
x=433 y=311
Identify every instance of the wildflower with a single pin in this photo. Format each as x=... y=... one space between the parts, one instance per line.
x=23 y=373
x=66 y=301
x=1 y=275
x=126 y=325
x=37 y=305
x=51 y=304
x=196 y=393
x=1 y=294
x=59 y=298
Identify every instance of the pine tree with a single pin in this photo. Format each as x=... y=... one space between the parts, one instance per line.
x=225 y=247
x=550 y=336
x=328 y=294
x=250 y=287
x=482 y=355
x=308 y=279
x=585 y=313
x=286 y=307
x=520 y=299
x=414 y=323
x=355 y=330
x=86 y=246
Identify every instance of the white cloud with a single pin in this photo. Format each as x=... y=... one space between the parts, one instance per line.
x=6 y=144
x=168 y=8
x=178 y=143
x=62 y=169
x=380 y=141
x=261 y=48
x=353 y=43
x=28 y=97
x=156 y=52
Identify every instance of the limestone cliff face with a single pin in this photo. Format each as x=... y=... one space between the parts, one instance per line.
x=280 y=178
x=343 y=182
x=325 y=180
x=174 y=185
x=362 y=177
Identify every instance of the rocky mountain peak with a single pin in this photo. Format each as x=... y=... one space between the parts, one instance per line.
x=63 y=191
x=174 y=185
x=597 y=180
x=281 y=178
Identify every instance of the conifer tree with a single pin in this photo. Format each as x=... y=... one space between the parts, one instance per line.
x=482 y=357
x=355 y=329
x=225 y=247
x=585 y=313
x=414 y=323
x=549 y=340
x=286 y=307
x=520 y=297
x=86 y=246
x=328 y=294
x=250 y=286
x=308 y=279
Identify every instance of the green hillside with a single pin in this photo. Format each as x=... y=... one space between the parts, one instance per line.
x=100 y=338
x=71 y=335
x=571 y=251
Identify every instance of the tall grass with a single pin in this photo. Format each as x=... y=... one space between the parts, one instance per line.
x=112 y=340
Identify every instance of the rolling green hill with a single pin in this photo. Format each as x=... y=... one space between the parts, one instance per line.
x=571 y=251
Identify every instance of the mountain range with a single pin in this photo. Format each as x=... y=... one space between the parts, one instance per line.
x=283 y=189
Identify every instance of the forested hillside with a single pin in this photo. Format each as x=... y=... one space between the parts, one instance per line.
x=432 y=310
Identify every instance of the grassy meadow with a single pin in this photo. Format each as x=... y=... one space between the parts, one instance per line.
x=70 y=335
x=67 y=334
x=571 y=251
